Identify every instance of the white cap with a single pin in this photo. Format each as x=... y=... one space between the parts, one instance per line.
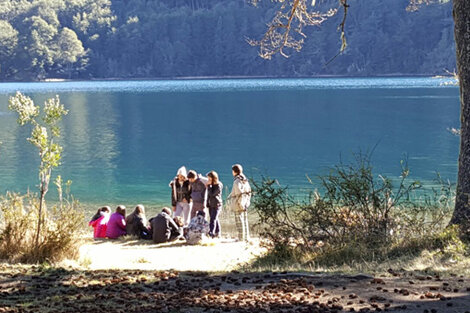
x=182 y=171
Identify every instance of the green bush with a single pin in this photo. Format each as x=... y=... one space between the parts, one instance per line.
x=356 y=213
x=29 y=231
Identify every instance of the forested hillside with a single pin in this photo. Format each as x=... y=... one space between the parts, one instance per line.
x=178 y=38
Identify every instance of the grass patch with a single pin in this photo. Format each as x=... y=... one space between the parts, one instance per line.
x=59 y=238
x=444 y=254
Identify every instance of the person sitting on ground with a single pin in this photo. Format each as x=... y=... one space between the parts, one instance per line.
x=198 y=192
x=164 y=228
x=181 y=195
x=198 y=229
x=136 y=223
x=177 y=234
x=99 y=222
x=117 y=223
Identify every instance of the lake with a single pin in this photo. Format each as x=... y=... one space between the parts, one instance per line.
x=124 y=140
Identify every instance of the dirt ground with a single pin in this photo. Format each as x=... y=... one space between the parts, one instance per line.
x=136 y=277
x=214 y=255
x=57 y=290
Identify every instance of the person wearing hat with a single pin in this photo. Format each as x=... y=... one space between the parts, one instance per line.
x=198 y=229
x=239 y=201
x=181 y=195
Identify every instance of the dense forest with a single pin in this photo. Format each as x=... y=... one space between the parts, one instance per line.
x=85 y=39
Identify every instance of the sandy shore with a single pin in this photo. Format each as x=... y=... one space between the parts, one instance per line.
x=215 y=255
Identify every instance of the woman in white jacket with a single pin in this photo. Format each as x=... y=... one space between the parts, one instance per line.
x=239 y=201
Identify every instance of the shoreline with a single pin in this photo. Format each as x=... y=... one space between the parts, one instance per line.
x=229 y=77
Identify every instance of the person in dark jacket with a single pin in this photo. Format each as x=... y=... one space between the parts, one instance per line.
x=164 y=228
x=136 y=223
x=214 y=203
x=198 y=192
x=181 y=195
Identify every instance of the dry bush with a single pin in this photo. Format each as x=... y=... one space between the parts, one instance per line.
x=59 y=237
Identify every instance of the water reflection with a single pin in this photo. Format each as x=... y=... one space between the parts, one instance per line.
x=125 y=146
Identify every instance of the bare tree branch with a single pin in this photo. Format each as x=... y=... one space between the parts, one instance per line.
x=292 y=15
x=285 y=29
x=341 y=27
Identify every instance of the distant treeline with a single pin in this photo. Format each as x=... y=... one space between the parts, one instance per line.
x=177 y=38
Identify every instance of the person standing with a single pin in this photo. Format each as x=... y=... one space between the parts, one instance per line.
x=239 y=201
x=214 y=203
x=198 y=192
x=181 y=195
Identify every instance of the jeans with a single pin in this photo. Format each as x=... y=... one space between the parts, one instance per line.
x=183 y=209
x=214 y=225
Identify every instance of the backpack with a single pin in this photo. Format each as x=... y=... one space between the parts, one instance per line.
x=241 y=202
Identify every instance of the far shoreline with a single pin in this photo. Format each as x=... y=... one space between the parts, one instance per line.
x=234 y=77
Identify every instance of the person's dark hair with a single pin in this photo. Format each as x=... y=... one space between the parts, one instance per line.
x=121 y=210
x=201 y=213
x=178 y=221
x=98 y=213
x=192 y=174
x=214 y=176
x=167 y=210
x=237 y=168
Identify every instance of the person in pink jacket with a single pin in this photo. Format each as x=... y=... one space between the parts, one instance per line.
x=117 y=223
x=99 y=222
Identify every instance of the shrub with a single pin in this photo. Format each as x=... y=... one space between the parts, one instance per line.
x=59 y=237
x=29 y=231
x=45 y=132
x=355 y=211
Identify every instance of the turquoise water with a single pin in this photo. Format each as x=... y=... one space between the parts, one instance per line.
x=124 y=140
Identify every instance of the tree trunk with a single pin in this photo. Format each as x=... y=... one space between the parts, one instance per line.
x=461 y=216
x=38 y=232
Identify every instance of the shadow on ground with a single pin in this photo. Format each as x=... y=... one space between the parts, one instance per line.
x=39 y=289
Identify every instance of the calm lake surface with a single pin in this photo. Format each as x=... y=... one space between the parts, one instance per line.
x=123 y=141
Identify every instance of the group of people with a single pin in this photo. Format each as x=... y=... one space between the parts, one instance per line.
x=191 y=195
